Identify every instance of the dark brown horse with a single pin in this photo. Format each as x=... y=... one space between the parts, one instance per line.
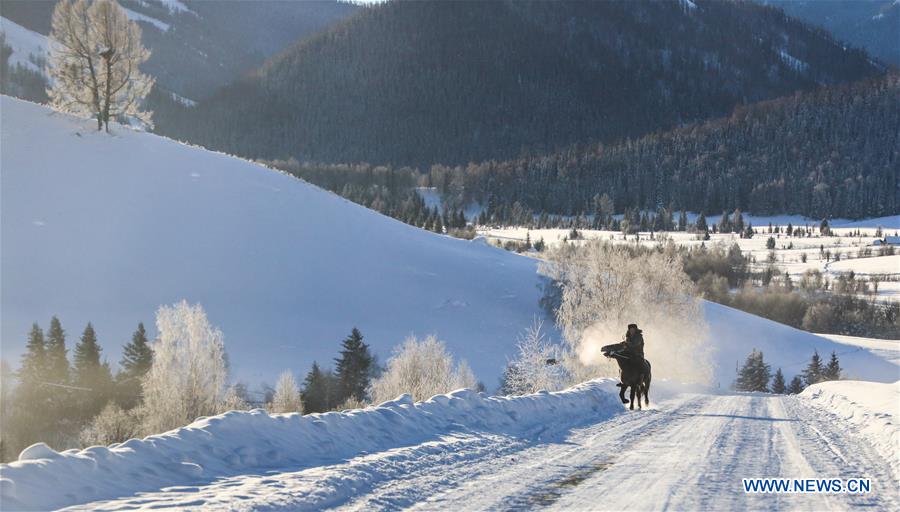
x=632 y=374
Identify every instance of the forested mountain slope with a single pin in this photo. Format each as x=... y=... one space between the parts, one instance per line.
x=199 y=46
x=870 y=24
x=451 y=82
x=832 y=152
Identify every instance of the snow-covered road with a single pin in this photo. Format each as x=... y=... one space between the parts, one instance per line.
x=688 y=453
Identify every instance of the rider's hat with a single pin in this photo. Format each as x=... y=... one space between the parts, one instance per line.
x=632 y=325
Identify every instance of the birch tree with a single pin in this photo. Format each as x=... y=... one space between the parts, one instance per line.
x=188 y=374
x=287 y=395
x=95 y=54
x=422 y=369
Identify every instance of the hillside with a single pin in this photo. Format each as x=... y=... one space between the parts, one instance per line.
x=417 y=83
x=107 y=228
x=828 y=153
x=199 y=46
x=869 y=24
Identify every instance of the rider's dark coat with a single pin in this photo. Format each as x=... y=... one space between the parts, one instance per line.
x=634 y=345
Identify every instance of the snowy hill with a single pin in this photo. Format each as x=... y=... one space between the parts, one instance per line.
x=28 y=47
x=106 y=228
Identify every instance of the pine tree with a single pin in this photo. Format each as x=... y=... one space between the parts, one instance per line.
x=137 y=356
x=34 y=360
x=796 y=385
x=86 y=356
x=89 y=373
x=814 y=370
x=702 y=227
x=833 y=369
x=318 y=393
x=778 y=382
x=56 y=353
x=353 y=368
x=755 y=374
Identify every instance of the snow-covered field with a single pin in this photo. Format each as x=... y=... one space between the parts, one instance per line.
x=107 y=228
x=789 y=250
x=889 y=350
x=573 y=450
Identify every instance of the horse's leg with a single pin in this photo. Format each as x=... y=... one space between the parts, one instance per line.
x=622 y=394
x=632 y=399
x=647 y=392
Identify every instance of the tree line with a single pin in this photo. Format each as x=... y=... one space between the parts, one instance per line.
x=756 y=374
x=75 y=399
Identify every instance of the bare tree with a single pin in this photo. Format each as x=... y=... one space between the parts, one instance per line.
x=95 y=54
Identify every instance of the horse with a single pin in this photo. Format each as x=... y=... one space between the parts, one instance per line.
x=631 y=374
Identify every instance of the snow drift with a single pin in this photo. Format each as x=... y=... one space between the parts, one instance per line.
x=868 y=409
x=238 y=442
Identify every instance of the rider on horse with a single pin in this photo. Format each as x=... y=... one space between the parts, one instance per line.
x=634 y=343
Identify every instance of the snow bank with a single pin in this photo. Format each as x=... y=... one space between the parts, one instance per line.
x=868 y=409
x=237 y=442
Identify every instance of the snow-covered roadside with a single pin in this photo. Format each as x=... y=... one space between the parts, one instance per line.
x=868 y=409
x=237 y=442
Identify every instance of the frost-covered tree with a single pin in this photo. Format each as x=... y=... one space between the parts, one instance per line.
x=287 y=396
x=604 y=287
x=235 y=399
x=422 y=369
x=188 y=374
x=112 y=425
x=95 y=54
x=536 y=365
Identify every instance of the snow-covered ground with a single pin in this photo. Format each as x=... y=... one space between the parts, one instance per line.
x=819 y=251
x=889 y=350
x=106 y=228
x=237 y=442
x=575 y=450
x=28 y=47
x=868 y=409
